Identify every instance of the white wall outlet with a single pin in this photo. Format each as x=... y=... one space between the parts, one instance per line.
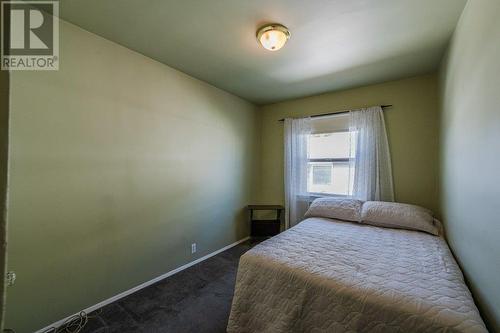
x=193 y=248
x=11 y=278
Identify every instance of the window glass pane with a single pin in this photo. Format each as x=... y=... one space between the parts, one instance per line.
x=322 y=174
x=330 y=124
x=329 y=178
x=342 y=179
x=319 y=177
x=329 y=145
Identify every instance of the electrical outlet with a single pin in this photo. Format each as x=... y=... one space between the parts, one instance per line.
x=11 y=278
x=193 y=248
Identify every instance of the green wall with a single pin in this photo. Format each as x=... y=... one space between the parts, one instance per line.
x=118 y=163
x=4 y=141
x=412 y=125
x=471 y=152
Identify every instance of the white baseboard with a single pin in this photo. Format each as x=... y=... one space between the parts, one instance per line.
x=143 y=285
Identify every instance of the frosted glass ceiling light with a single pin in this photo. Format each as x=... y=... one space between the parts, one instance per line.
x=273 y=36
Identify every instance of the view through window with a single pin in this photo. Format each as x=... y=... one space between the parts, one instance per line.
x=329 y=169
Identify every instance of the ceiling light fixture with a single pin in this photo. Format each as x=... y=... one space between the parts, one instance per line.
x=273 y=36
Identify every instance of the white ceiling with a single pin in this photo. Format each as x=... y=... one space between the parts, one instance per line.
x=334 y=44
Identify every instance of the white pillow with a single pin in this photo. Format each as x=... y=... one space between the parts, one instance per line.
x=336 y=208
x=398 y=215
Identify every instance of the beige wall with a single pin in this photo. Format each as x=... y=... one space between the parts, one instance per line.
x=471 y=152
x=118 y=164
x=412 y=125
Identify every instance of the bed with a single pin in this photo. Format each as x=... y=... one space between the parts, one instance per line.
x=327 y=275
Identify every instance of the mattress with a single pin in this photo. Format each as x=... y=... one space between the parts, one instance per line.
x=325 y=275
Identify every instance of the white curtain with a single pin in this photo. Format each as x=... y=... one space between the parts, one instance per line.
x=372 y=163
x=296 y=198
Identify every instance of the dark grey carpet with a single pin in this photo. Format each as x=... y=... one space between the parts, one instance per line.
x=197 y=299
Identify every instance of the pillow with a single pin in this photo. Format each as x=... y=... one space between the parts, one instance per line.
x=336 y=208
x=398 y=215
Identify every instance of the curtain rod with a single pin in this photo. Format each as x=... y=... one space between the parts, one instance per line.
x=338 y=112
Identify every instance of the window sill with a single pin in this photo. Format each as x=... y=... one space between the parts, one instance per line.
x=312 y=196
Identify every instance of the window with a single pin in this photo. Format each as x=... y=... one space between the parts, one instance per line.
x=329 y=163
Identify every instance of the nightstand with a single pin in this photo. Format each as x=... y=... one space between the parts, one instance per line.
x=265 y=228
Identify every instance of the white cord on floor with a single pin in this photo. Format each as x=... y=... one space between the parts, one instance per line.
x=74 y=324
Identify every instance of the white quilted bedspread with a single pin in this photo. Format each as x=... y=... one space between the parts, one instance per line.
x=330 y=276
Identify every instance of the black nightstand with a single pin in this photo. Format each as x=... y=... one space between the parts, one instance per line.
x=265 y=228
